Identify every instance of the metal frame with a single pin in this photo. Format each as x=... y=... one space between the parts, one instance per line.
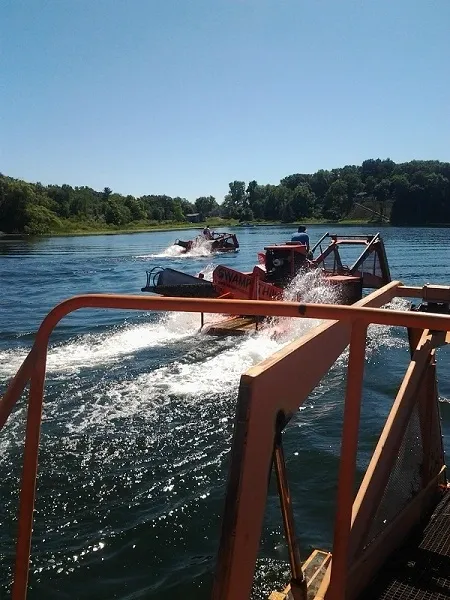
x=258 y=411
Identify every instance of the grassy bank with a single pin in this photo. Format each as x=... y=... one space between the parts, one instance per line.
x=76 y=228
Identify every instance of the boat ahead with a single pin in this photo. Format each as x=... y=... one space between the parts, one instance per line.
x=277 y=266
x=215 y=242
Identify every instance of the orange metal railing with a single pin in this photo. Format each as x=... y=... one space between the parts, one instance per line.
x=236 y=564
x=280 y=385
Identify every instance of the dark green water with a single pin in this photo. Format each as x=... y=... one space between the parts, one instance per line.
x=138 y=417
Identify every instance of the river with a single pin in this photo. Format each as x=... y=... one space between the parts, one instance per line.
x=138 y=417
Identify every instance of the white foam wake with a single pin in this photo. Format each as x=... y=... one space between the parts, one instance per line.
x=91 y=350
x=191 y=379
x=200 y=248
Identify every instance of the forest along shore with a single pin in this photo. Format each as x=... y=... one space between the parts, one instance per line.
x=416 y=193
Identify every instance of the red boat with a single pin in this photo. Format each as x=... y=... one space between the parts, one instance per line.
x=217 y=242
x=277 y=267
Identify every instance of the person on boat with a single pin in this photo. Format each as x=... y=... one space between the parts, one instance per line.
x=207 y=233
x=301 y=236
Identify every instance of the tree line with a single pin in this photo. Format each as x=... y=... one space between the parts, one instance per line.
x=412 y=193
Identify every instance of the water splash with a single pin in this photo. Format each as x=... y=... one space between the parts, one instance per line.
x=200 y=248
x=208 y=271
x=311 y=287
x=211 y=365
x=208 y=365
x=93 y=349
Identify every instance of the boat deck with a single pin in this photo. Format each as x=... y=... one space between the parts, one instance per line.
x=420 y=570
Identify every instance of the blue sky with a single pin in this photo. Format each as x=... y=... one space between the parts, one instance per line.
x=182 y=96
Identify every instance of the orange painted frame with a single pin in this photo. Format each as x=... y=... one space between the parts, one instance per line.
x=34 y=367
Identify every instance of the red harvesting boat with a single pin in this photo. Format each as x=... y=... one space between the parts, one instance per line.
x=277 y=266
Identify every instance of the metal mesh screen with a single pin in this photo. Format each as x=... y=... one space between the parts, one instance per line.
x=420 y=570
x=405 y=478
x=329 y=263
x=372 y=265
x=377 y=270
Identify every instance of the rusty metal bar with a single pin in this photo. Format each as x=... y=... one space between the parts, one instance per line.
x=365 y=253
x=298 y=580
x=347 y=465
x=320 y=241
x=236 y=307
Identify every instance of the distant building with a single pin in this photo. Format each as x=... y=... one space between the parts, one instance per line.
x=194 y=218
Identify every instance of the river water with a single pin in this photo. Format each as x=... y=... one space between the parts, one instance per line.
x=138 y=416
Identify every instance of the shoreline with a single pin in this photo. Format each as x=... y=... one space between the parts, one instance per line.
x=193 y=226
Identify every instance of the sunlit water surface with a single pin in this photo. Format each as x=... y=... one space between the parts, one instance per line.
x=139 y=412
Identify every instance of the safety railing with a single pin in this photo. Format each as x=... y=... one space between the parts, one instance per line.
x=257 y=423
x=273 y=391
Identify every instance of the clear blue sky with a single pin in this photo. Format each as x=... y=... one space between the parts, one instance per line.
x=182 y=96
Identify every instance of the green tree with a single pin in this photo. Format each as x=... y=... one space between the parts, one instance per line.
x=135 y=207
x=382 y=193
x=117 y=213
x=277 y=197
x=354 y=186
x=15 y=197
x=335 y=201
x=320 y=182
x=401 y=191
x=293 y=181
x=205 y=205
x=235 y=200
x=178 y=211
x=41 y=220
x=106 y=193
x=287 y=215
x=303 y=201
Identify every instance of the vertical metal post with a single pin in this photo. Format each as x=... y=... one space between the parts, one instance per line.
x=29 y=474
x=257 y=297
x=202 y=320
x=347 y=465
x=298 y=580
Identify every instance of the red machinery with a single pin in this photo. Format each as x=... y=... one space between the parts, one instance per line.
x=278 y=265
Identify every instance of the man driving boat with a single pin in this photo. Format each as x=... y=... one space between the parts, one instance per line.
x=207 y=233
x=301 y=236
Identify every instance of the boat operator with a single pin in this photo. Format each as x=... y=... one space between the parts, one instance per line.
x=207 y=233
x=301 y=236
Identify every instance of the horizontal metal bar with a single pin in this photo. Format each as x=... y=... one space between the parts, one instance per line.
x=247 y=307
x=430 y=293
x=229 y=306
